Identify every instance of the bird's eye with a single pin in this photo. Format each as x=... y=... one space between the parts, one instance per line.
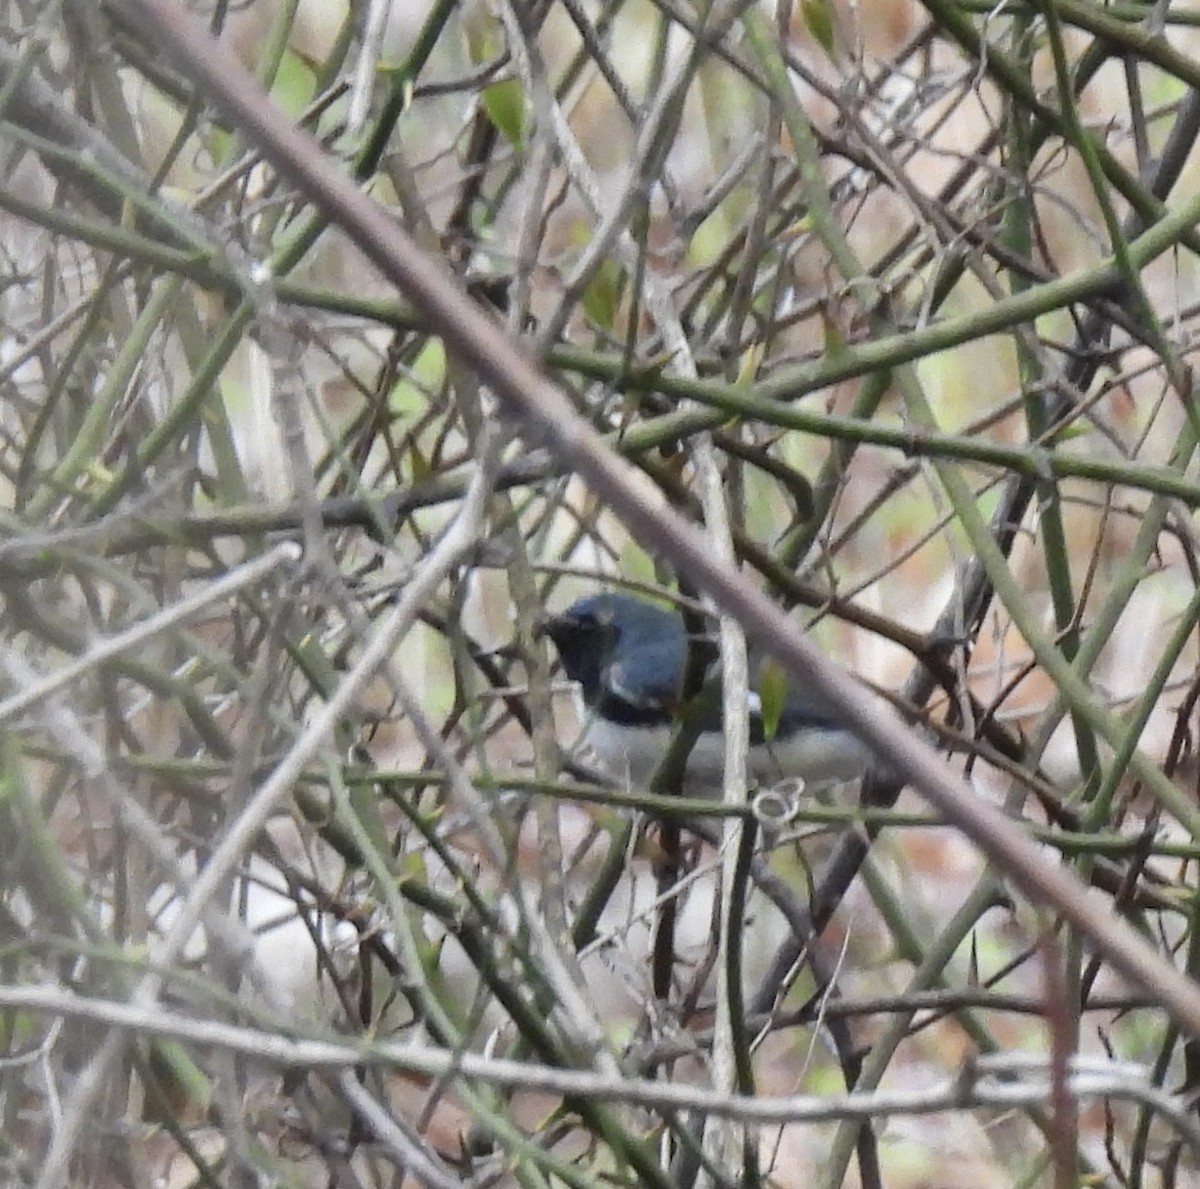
x=595 y=629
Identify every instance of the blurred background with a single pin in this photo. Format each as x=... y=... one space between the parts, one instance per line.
x=881 y=271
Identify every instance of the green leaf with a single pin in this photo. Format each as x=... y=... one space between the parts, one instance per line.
x=835 y=342
x=819 y=20
x=406 y=402
x=750 y=363
x=772 y=693
x=421 y=470
x=602 y=298
x=484 y=35
x=1069 y=433
x=504 y=103
x=294 y=84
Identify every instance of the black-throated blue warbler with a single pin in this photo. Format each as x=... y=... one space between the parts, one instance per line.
x=629 y=655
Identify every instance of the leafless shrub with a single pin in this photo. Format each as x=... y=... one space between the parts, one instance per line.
x=892 y=302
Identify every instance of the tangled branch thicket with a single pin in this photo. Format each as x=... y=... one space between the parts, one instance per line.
x=300 y=882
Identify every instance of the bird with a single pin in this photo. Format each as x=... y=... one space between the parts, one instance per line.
x=628 y=657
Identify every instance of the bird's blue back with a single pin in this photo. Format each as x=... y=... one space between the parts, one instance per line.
x=649 y=655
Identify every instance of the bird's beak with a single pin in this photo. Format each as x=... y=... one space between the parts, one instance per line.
x=550 y=625
x=544 y=625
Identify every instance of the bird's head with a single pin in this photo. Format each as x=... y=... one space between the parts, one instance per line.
x=600 y=630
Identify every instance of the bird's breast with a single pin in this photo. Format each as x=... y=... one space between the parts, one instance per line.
x=818 y=755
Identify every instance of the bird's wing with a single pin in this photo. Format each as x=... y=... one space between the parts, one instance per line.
x=802 y=708
x=644 y=690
